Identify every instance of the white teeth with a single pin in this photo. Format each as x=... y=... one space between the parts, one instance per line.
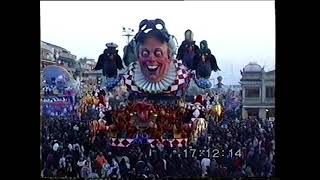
x=152 y=67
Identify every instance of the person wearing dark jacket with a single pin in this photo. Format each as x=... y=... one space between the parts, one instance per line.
x=188 y=50
x=123 y=169
x=171 y=168
x=71 y=171
x=213 y=170
x=140 y=167
x=160 y=168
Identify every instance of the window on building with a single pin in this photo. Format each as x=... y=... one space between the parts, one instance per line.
x=270 y=92
x=252 y=92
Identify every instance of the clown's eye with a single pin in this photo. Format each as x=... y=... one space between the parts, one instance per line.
x=159 y=26
x=158 y=53
x=145 y=53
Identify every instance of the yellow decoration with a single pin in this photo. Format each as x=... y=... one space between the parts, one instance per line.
x=95 y=101
x=218 y=109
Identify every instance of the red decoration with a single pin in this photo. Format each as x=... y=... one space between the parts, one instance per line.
x=198 y=99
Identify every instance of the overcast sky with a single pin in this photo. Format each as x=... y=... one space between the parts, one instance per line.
x=238 y=32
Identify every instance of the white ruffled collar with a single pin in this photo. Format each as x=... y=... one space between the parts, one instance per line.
x=154 y=87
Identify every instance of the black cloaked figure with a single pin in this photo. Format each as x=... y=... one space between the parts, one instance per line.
x=109 y=61
x=188 y=50
x=205 y=62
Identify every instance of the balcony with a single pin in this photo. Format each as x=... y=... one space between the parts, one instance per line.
x=67 y=55
x=249 y=101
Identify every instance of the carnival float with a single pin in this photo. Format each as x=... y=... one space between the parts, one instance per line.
x=58 y=92
x=154 y=83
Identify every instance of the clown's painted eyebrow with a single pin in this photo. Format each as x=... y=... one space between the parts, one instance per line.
x=158 y=50
x=155 y=50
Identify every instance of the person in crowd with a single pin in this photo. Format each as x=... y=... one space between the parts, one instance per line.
x=205 y=163
x=68 y=152
x=47 y=172
x=71 y=172
x=94 y=174
x=62 y=162
x=85 y=170
x=61 y=172
x=80 y=163
x=123 y=169
x=140 y=166
x=105 y=170
x=101 y=160
x=114 y=169
x=160 y=168
x=50 y=160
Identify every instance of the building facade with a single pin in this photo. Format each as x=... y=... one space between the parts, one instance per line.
x=51 y=54
x=46 y=55
x=88 y=75
x=258 y=92
x=87 y=64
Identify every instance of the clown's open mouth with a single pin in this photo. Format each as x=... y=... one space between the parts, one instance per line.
x=153 y=68
x=153 y=77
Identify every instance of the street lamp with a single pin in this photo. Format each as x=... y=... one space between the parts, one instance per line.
x=128 y=32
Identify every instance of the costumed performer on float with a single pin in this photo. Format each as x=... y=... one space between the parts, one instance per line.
x=204 y=63
x=188 y=50
x=110 y=62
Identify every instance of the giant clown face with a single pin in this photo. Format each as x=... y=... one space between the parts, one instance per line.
x=154 y=59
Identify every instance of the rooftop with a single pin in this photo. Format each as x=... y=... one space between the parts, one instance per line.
x=55 y=46
x=252 y=67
